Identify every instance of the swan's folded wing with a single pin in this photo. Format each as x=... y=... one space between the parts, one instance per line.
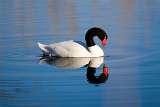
x=69 y=49
x=60 y=51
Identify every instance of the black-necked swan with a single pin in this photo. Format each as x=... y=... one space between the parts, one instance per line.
x=73 y=48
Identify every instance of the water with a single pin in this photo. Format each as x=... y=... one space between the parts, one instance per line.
x=132 y=55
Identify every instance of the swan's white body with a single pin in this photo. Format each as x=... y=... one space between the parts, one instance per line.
x=71 y=49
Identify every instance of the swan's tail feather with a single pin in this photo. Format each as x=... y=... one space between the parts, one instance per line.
x=43 y=47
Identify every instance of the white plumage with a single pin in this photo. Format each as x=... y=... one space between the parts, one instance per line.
x=71 y=49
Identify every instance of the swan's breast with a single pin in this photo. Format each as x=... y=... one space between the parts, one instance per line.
x=96 y=51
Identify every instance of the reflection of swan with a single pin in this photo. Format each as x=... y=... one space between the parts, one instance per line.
x=91 y=63
x=74 y=62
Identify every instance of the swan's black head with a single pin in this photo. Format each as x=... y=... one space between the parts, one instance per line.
x=95 y=31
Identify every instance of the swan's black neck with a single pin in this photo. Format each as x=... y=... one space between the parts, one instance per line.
x=94 y=32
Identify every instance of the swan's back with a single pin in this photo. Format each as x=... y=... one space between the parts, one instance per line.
x=66 y=49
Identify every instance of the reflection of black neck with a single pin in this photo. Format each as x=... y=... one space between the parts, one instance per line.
x=95 y=79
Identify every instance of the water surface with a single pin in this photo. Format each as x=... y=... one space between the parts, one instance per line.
x=132 y=55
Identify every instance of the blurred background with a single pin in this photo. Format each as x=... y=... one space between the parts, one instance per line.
x=132 y=55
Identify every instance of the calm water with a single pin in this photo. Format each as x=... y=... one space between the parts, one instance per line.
x=132 y=55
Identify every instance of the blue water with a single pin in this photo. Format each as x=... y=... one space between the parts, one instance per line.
x=132 y=55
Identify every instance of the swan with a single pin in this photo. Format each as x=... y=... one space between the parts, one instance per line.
x=73 y=48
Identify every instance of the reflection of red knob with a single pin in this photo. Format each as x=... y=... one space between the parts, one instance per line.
x=105 y=70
